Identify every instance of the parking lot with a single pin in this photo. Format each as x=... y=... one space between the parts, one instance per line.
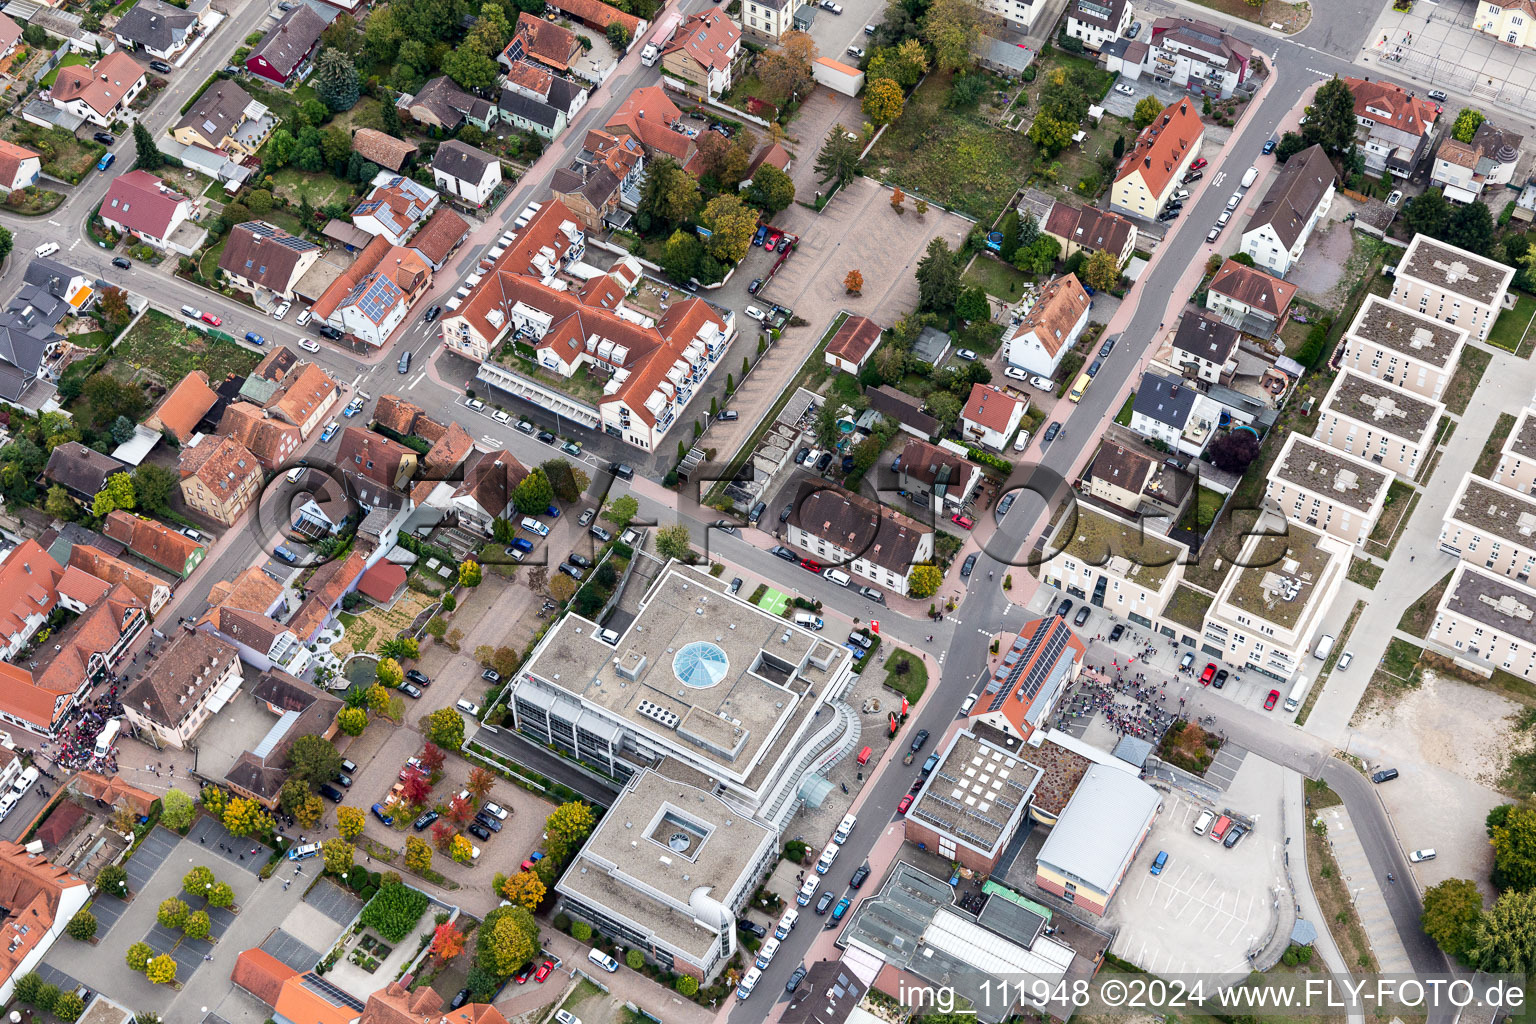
x=1436 y=44
x=1211 y=905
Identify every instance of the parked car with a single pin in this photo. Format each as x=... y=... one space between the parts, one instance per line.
x=782 y=552
x=1199 y=163
x=1193 y=176
x=755 y=313
x=1395 y=198
x=1081 y=617
x=331 y=793
x=963 y=521
x=572 y=571
x=968 y=565
x=1269 y=702
x=1108 y=346
x=823 y=462
x=1159 y=862
x=478 y=831
x=829 y=5
x=160 y=66
x=309 y=345
x=1438 y=95
x=329 y=431
x=254 y=338
x=1043 y=383
x=411 y=690
x=378 y=812
x=1385 y=775
x=859 y=876
x=544 y=970
x=282 y=310
x=209 y=318
x=600 y=533
x=751 y=928
x=490 y=675
x=418 y=677
x=424 y=822
x=1051 y=432
x=906 y=802
x=1124 y=90
x=1014 y=373
x=1117 y=632
x=580 y=560
x=1269 y=147
x=546 y=437
x=496 y=811
x=1220 y=680
x=757 y=283
x=825 y=903
x=120 y=263
x=571 y=448
x=966 y=354
x=105 y=138
x=872 y=594
x=810 y=565
x=1064 y=607
x=797 y=976
x=1187 y=660
x=1420 y=856
x=587 y=515
x=1208 y=674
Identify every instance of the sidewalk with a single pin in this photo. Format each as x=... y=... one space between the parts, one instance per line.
x=1355 y=869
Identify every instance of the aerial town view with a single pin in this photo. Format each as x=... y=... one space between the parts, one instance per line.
x=477 y=549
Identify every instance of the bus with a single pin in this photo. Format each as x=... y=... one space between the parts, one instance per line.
x=1079 y=387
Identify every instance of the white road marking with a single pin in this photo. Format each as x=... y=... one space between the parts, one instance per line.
x=415 y=380
x=355 y=380
x=494 y=442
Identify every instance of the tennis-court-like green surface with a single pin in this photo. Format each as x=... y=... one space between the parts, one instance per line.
x=773 y=601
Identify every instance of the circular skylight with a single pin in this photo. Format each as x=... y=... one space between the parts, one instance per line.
x=700 y=664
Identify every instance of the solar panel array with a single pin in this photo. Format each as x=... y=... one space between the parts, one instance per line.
x=1052 y=636
x=334 y=995
x=378 y=298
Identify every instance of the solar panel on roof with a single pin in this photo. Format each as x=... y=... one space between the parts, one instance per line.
x=317 y=984
x=1053 y=636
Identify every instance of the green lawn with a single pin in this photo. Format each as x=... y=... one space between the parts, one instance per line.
x=1123 y=417
x=906 y=674
x=995 y=277
x=63 y=155
x=160 y=345
x=74 y=60
x=1201 y=513
x=1509 y=329
x=321 y=189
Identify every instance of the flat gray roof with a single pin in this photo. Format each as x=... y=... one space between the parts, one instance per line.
x=1101 y=826
x=1494 y=601
x=1455 y=270
x=1330 y=472
x=976 y=793
x=1403 y=330
x=1501 y=511
x=1522 y=440
x=1383 y=406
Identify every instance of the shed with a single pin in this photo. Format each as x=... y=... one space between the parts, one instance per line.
x=837 y=76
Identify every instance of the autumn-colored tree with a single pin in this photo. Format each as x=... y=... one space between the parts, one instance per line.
x=390 y=673
x=197 y=925
x=924 y=581
x=525 y=889
x=112 y=305
x=921 y=206
x=460 y=810
x=198 y=881
x=461 y=850
x=470 y=573
x=338 y=856
x=432 y=758
x=352 y=721
x=568 y=826
x=897 y=198
x=221 y=895
x=246 y=817
x=349 y=822
x=882 y=101
x=562 y=588
x=418 y=855
x=481 y=781
x=447 y=941
x=309 y=811
x=378 y=699
x=1101 y=270
x=139 y=955
x=161 y=970
x=172 y=912
x=416 y=789
x=503 y=945
x=853 y=284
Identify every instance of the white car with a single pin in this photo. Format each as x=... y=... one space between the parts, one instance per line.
x=966 y=354
x=1345 y=659
x=1181 y=195
x=475 y=404
x=1022 y=441
x=754 y=313
x=282 y=310
x=1210 y=236
x=1043 y=383
x=1125 y=90
x=1221 y=221
x=1237 y=197
x=1015 y=373
x=309 y=345
x=497 y=810
x=500 y=416
x=1420 y=856
x=1395 y=198
x=303 y=317
x=856 y=51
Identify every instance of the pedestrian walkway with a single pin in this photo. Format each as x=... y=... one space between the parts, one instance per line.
x=1370 y=905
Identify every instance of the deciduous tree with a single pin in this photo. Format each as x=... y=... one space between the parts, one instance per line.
x=82 y=927
x=197 y=925
x=731 y=223
x=481 y=782
x=502 y=945
x=442 y=836
x=951 y=28
x=1234 y=450
x=1467 y=123
x=924 y=581
x=972 y=304
x=674 y=542
x=338 y=856
x=771 y=190
x=389 y=673
x=533 y=494
x=882 y=101
x=176 y=810
x=669 y=194
x=447 y=940
x=446 y=728
x=152 y=484
x=568 y=827
x=349 y=822
x=470 y=573
x=418 y=855
x=461 y=850
x=525 y=889
x=785 y=70
x=313 y=761
x=853 y=284
x=1514 y=850
x=1147 y=110
x=138 y=956
x=198 y=881
x=352 y=721
x=1051 y=135
x=245 y=817
x=1505 y=938
x=161 y=970
x=172 y=912
x=118 y=493
x=221 y=895
x=1332 y=121
x=1101 y=270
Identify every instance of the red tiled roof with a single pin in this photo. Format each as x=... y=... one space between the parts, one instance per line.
x=11 y=155
x=271 y=441
x=261 y=974
x=990 y=407
x=854 y=339
x=114 y=570
x=102 y=86
x=183 y=406
x=1393 y=106
x=29 y=579
x=142 y=203
x=31 y=892
x=709 y=37
x=1061 y=304
x=645 y=113
x=598 y=14
x=372 y=456
x=223 y=464
x=1162 y=146
x=1034 y=639
x=437 y=237
x=381 y=582
x=326 y=587
x=303 y=393
x=545 y=41
x=1253 y=288
x=150 y=540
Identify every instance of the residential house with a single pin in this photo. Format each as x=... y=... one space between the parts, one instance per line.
x=10 y=36
x=1138 y=482
x=767 y=20
x=857 y=534
x=1198 y=56
x=29 y=328
x=40 y=902
x=1150 y=171
x=297 y=710
x=220 y=477
x=330 y=583
x=597 y=16
x=374 y=295
x=991 y=416
x=1508 y=21
x=156 y=28
x=443 y=105
x=1399 y=126
x=93 y=561
x=183 y=684
x=29 y=592
x=284 y=51
x=1249 y=299
x=99 y=93
x=603 y=177
x=704 y=52
x=902 y=409
x=263 y=258
x=395 y=209
x=140 y=204
x=1114 y=563
x=942 y=479
x=485 y=493
x=1487 y=619
x=465 y=172
x=1162 y=408
x=1323 y=488
x=305 y=398
x=184 y=407
x=770 y=155
x=225 y=118
x=1096 y=22
x=442 y=234
x=397 y=1003
x=853 y=344
x=273 y=442
x=647 y=114
x=1276 y=598
x=1018 y=15
x=1451 y=285
x=1089 y=229
x=1492 y=526
x=543 y=42
x=376 y=457
x=1297 y=200
x=1204 y=347
x=536 y=100
x=1408 y=349
x=384 y=150
x=1464 y=169
x=155 y=542
x=1378 y=422
x=1517 y=462
x=1050 y=328
x=81 y=471
x=19 y=166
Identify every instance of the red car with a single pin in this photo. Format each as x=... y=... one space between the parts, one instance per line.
x=906 y=802
x=1199 y=163
x=1208 y=674
x=806 y=563
x=964 y=522
x=209 y=318
x=544 y=970
x=1269 y=702
x=524 y=973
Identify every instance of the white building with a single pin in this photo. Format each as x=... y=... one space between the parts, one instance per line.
x=1493 y=527
x=1115 y=564
x=1486 y=619
x=395 y=208
x=466 y=172
x=991 y=415
x=1050 y=328
x=1517 y=463
x=1375 y=421
x=1325 y=489
x=1464 y=169
x=1197 y=56
x=1451 y=285
x=187 y=682
x=850 y=532
x=1297 y=200
x=1096 y=22
x=1408 y=349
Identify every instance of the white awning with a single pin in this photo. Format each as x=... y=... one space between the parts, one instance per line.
x=1457 y=194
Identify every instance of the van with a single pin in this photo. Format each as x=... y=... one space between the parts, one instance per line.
x=1324 y=646
x=25 y=781
x=49 y=248
x=824 y=863
x=532 y=525
x=844 y=829
x=808 y=620
x=1298 y=688
x=766 y=953
x=608 y=637
x=808 y=890
x=786 y=924
x=1203 y=823
x=304 y=852
x=1079 y=388
x=748 y=983
x=603 y=960
x=1250 y=176
x=107 y=737
x=7 y=802
x=1219 y=830
x=837 y=576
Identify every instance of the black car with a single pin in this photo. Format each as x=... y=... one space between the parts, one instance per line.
x=105 y=138
x=488 y=820
x=1051 y=431
x=1221 y=679
x=1082 y=616
x=343 y=780
x=1094 y=367
x=571 y=571
x=751 y=928
x=424 y=822
x=581 y=560
x=1234 y=833
x=796 y=978
x=546 y=437
x=478 y=831
x=1385 y=775
x=1006 y=504
x=431 y=314
x=417 y=677
x=823 y=462
x=786 y=512
x=1108 y=346
x=970 y=563
x=160 y=66
x=1193 y=176
x=784 y=553
x=825 y=903
x=919 y=740
x=859 y=876
x=327 y=331
x=801 y=456
x=1117 y=632
x=331 y=793
x=736 y=585
x=1064 y=607
x=462 y=994
x=121 y=263
x=752 y=288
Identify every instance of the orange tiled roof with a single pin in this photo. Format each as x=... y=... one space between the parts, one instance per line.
x=709 y=37
x=303 y=393
x=29 y=579
x=1061 y=303
x=102 y=86
x=183 y=406
x=327 y=586
x=437 y=237
x=11 y=155
x=114 y=570
x=645 y=113
x=31 y=891
x=854 y=339
x=1392 y=106
x=271 y=441
x=990 y=406
x=252 y=590
x=1035 y=640
x=222 y=464
x=1162 y=146
x=150 y=540
x=261 y=974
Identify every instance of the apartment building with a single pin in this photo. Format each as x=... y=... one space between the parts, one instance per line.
x=1197 y=56
x=1491 y=526
x=1150 y=171
x=1451 y=285
x=1378 y=422
x=1488 y=620
x=1517 y=462
x=1114 y=563
x=1409 y=350
x=185 y=683
x=1298 y=198
x=1097 y=22
x=858 y=535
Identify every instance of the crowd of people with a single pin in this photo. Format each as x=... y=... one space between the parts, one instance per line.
x=1132 y=703
x=75 y=747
